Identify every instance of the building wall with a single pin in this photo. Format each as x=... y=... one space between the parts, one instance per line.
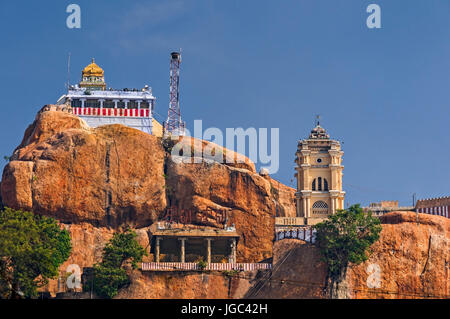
x=434 y=206
x=142 y=124
x=157 y=129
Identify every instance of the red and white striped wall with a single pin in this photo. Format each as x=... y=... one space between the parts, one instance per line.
x=171 y=266
x=95 y=111
x=437 y=210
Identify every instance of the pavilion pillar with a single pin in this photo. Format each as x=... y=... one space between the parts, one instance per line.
x=82 y=102
x=126 y=103
x=101 y=102
x=183 y=250
x=115 y=103
x=157 y=249
x=139 y=107
x=233 y=251
x=208 y=250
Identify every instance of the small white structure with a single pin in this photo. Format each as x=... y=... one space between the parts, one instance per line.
x=98 y=106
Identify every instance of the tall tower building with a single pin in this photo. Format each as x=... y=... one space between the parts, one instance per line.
x=319 y=176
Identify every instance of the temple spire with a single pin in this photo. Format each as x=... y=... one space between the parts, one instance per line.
x=318 y=131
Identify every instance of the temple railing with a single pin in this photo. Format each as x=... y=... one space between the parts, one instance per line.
x=289 y=221
x=122 y=112
x=303 y=233
x=171 y=266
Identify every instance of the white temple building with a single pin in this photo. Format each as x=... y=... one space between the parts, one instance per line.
x=95 y=104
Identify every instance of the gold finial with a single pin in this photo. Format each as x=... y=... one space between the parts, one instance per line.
x=93 y=70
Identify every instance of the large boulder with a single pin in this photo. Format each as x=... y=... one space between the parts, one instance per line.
x=109 y=176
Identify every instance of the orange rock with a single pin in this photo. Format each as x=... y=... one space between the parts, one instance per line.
x=115 y=176
x=108 y=176
x=412 y=256
x=208 y=188
x=87 y=248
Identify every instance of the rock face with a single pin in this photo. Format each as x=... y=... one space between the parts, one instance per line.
x=186 y=285
x=87 y=247
x=297 y=273
x=208 y=188
x=109 y=176
x=112 y=177
x=410 y=260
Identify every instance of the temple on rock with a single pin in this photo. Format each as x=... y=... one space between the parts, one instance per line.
x=97 y=105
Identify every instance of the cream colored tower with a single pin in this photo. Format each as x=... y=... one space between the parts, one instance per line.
x=319 y=176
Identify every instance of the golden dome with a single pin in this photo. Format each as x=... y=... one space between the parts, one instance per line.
x=93 y=70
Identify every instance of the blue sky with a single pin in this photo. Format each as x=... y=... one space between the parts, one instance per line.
x=384 y=92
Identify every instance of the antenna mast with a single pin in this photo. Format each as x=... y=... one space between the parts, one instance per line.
x=174 y=125
x=68 y=72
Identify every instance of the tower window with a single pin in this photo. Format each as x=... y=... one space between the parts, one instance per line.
x=320 y=208
x=325 y=184
x=320 y=204
x=320 y=184
x=314 y=185
x=76 y=103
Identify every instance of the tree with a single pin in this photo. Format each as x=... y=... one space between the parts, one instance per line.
x=110 y=275
x=32 y=247
x=346 y=238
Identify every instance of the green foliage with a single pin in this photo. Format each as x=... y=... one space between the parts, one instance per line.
x=201 y=263
x=230 y=273
x=110 y=275
x=168 y=144
x=32 y=247
x=346 y=238
x=108 y=280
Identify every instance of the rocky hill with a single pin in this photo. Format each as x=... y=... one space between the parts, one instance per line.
x=99 y=180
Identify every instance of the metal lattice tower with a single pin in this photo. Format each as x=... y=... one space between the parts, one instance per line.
x=174 y=125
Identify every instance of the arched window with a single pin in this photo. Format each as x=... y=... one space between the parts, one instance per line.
x=320 y=204
x=319 y=187
x=314 y=185
x=325 y=184
x=320 y=208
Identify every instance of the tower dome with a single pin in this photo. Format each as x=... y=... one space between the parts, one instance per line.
x=319 y=132
x=93 y=70
x=92 y=77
